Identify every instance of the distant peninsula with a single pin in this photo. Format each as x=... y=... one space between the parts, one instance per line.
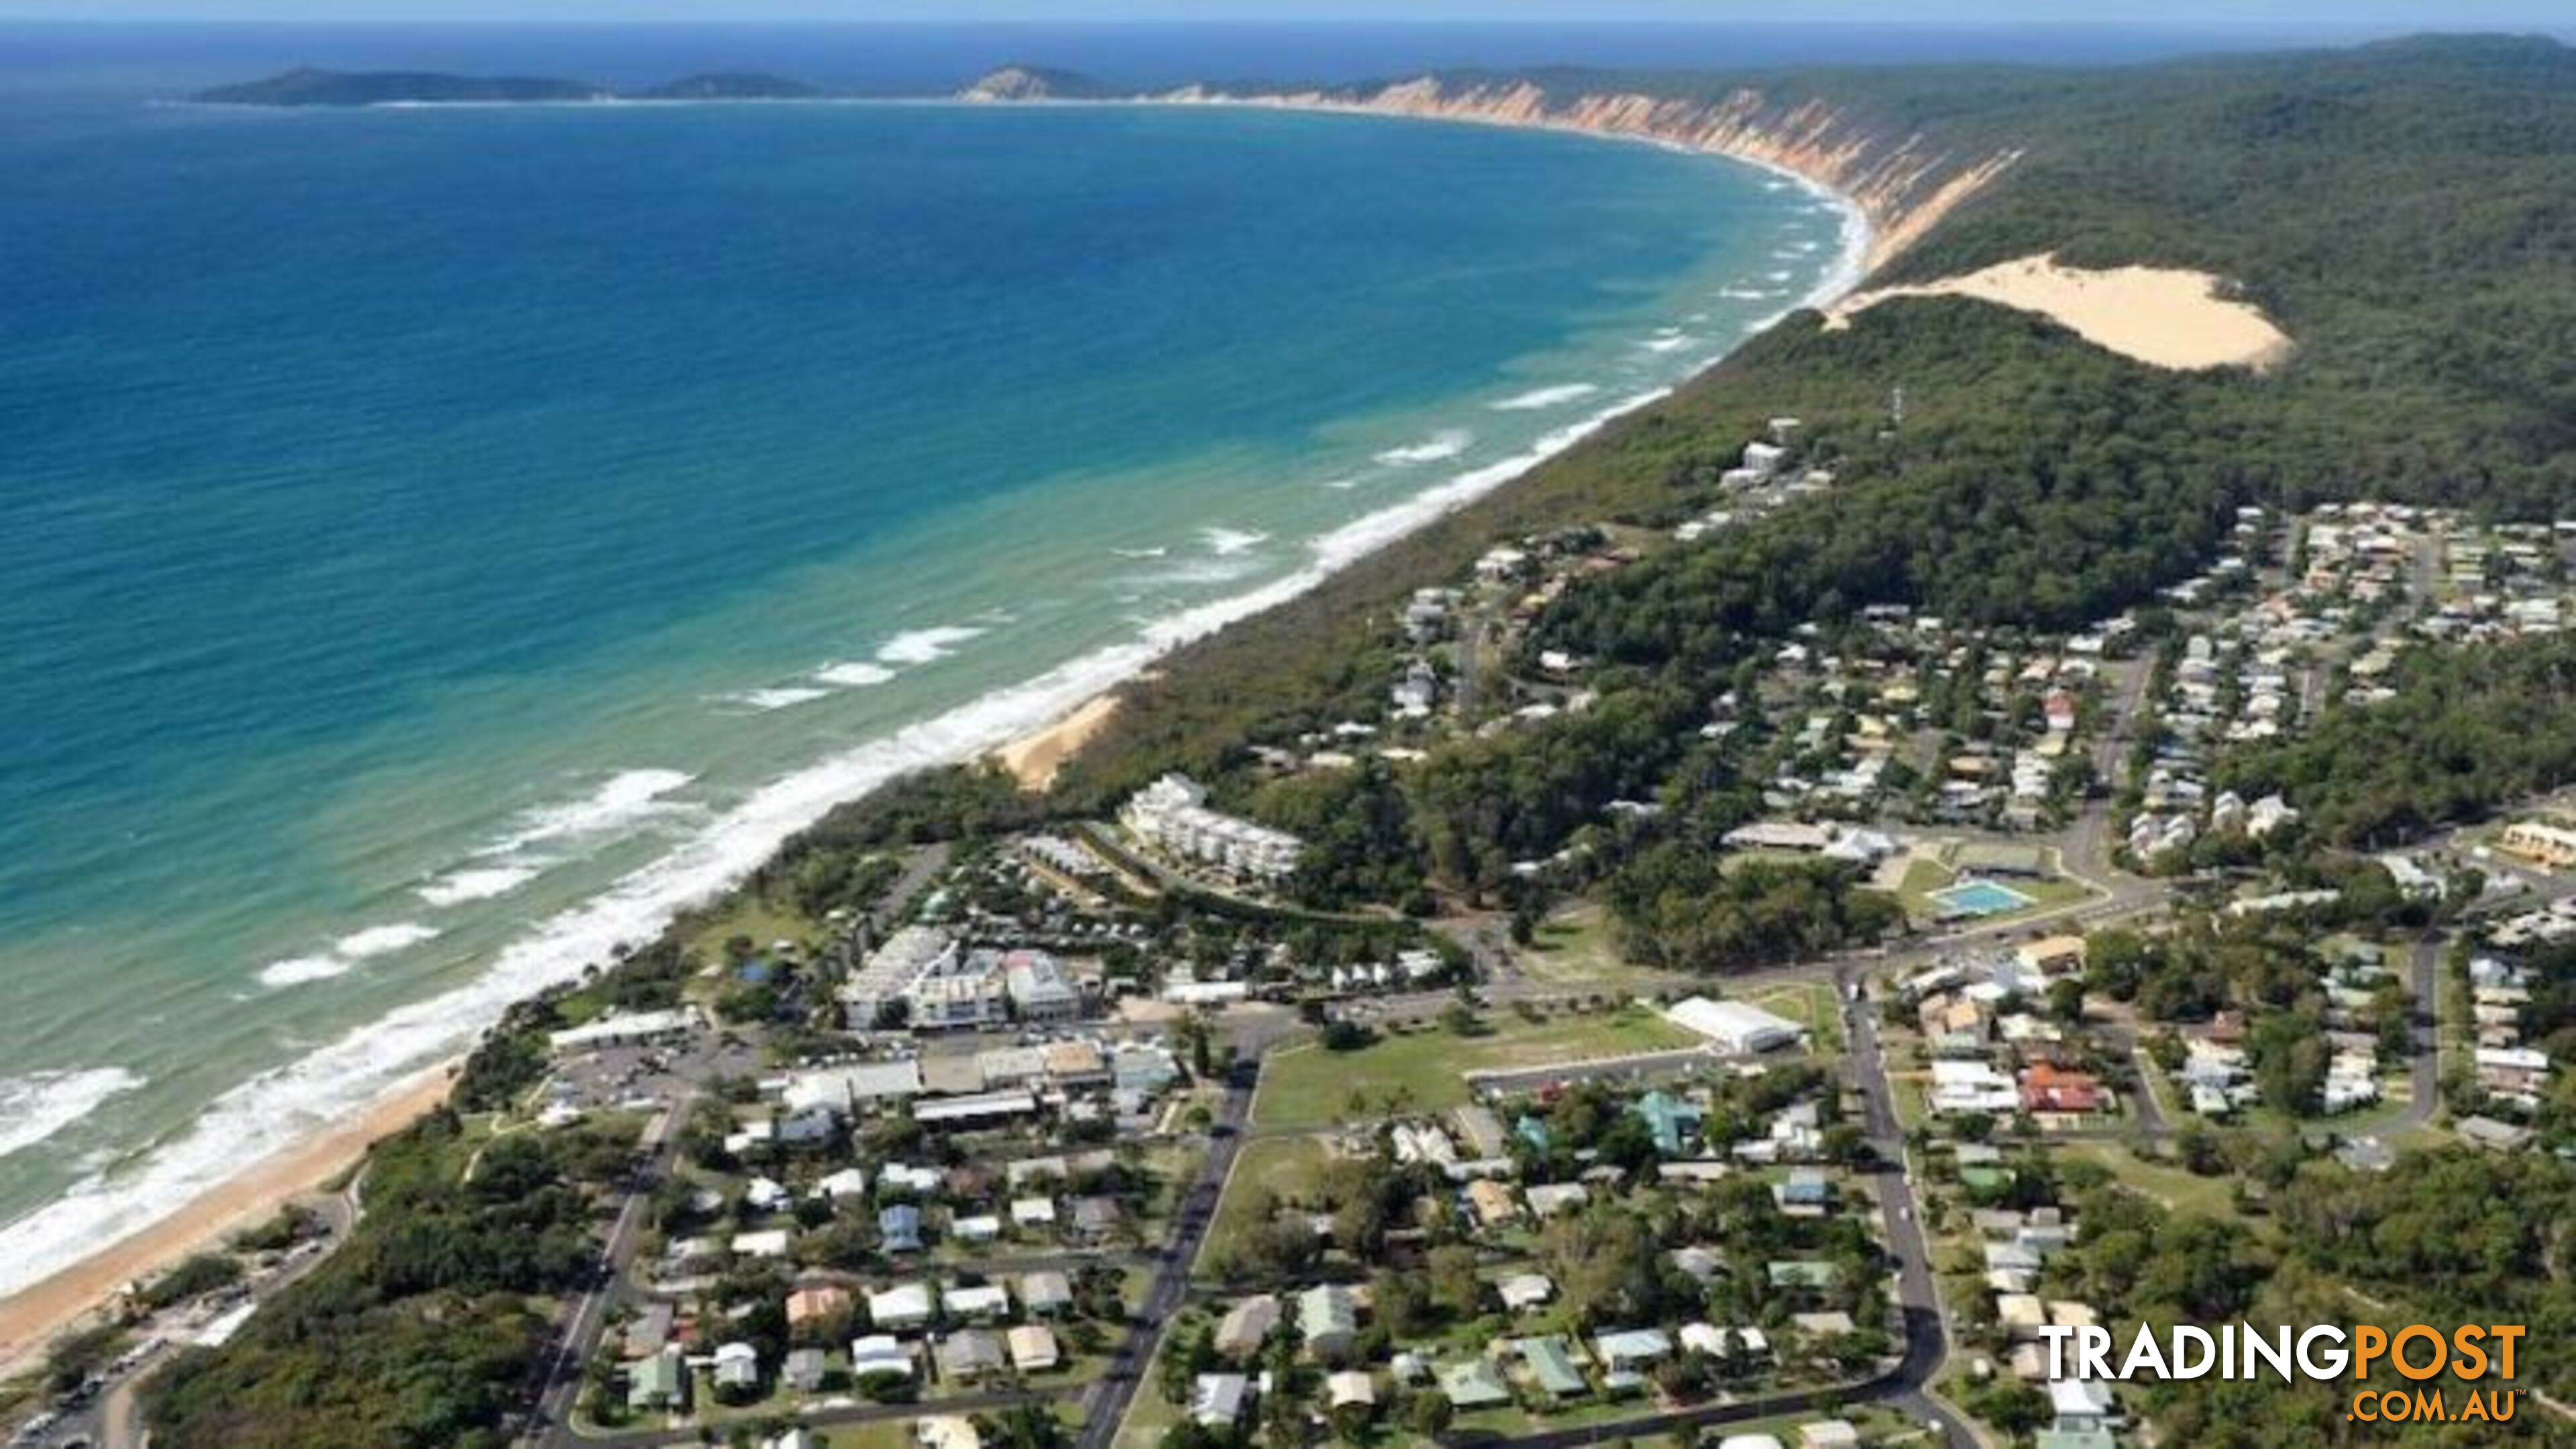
x=305 y=86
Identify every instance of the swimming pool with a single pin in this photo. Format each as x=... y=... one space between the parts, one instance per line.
x=1979 y=898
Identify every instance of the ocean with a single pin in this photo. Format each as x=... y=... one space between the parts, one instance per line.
x=436 y=543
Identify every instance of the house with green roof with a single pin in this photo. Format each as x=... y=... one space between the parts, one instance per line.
x=658 y=1384
x=1551 y=1365
x=1473 y=1384
x=1672 y=1120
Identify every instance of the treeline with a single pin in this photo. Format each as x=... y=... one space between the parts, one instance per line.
x=2467 y=731
x=423 y=1329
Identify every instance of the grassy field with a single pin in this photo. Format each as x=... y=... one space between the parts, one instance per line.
x=1810 y=1003
x=2178 y=1190
x=1575 y=950
x=1284 y=1166
x=745 y=915
x=1310 y=1087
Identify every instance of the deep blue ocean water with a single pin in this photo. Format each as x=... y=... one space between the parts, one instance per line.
x=434 y=542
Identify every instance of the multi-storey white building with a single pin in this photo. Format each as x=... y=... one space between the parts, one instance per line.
x=1172 y=815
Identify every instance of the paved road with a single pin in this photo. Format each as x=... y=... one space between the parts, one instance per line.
x=116 y=1420
x=1927 y=1340
x=563 y=1375
x=1107 y=1405
x=2427 y=1068
x=852 y=1413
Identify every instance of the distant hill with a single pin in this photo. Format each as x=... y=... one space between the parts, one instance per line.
x=1034 y=83
x=728 y=86
x=308 y=87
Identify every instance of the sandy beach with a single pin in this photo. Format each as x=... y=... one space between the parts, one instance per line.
x=1034 y=759
x=69 y=1299
x=2161 y=316
x=34 y=1315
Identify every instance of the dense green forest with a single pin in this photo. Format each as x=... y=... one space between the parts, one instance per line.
x=2404 y=208
x=2467 y=731
x=423 y=1329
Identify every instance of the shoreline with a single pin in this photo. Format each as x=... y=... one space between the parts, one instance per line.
x=1032 y=727
x=85 y=1292
x=1035 y=759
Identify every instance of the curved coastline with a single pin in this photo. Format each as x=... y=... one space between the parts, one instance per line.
x=262 y=1144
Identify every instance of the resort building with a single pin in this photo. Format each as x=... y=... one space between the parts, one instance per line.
x=1172 y=816
x=1038 y=987
x=891 y=969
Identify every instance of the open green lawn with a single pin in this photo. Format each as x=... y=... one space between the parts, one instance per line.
x=746 y=915
x=1575 y=949
x=2176 y=1189
x=1922 y=878
x=1267 y=1167
x=1810 y=1003
x=1311 y=1087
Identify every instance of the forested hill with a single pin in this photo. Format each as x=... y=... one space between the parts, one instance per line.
x=2407 y=210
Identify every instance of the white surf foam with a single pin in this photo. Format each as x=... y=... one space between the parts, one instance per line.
x=1540 y=398
x=40 y=1104
x=1227 y=542
x=782 y=696
x=1343 y=484
x=345 y=954
x=1140 y=552
x=1668 y=342
x=302 y=970
x=377 y=941
x=923 y=646
x=477 y=883
x=280 y=1108
x=1439 y=447
x=854 y=674
x=624 y=799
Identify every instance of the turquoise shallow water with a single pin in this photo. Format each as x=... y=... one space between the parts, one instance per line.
x=435 y=542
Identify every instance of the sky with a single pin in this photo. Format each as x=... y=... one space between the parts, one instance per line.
x=2322 y=16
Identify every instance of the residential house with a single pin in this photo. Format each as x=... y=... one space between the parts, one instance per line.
x=1473 y=1385
x=1632 y=1351
x=1096 y=1219
x=905 y=1306
x=1523 y=1292
x=899 y=1227
x=811 y=1307
x=1328 y=1320
x=737 y=1367
x=969 y=1355
x=879 y=1354
x=1033 y=1348
x=1046 y=1293
x=805 y=1370
x=659 y=1384
x=1551 y=1366
x=1217 y=1400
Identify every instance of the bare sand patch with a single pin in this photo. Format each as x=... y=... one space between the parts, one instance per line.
x=2162 y=316
x=1033 y=760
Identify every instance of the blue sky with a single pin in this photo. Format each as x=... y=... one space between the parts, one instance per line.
x=2324 y=16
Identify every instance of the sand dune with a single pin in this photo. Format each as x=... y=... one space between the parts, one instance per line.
x=2161 y=316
